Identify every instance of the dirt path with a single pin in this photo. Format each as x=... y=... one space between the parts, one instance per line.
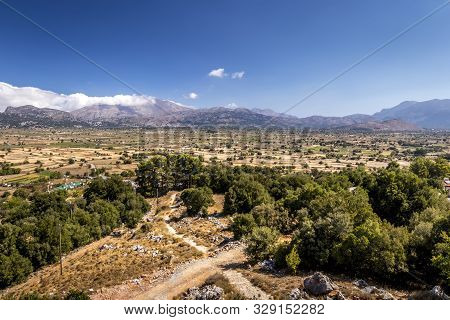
x=191 y=274
x=177 y=235
x=245 y=287
x=195 y=273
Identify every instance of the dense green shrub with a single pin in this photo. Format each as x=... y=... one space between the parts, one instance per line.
x=243 y=225
x=377 y=248
x=293 y=259
x=244 y=194
x=266 y=215
x=197 y=200
x=261 y=243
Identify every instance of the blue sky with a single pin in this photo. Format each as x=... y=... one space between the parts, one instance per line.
x=167 y=49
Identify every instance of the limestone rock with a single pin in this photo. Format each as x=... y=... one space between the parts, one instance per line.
x=360 y=283
x=298 y=294
x=319 y=284
x=209 y=292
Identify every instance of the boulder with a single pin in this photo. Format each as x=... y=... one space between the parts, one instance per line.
x=380 y=294
x=298 y=294
x=370 y=289
x=319 y=284
x=107 y=247
x=268 y=266
x=209 y=292
x=438 y=293
x=360 y=283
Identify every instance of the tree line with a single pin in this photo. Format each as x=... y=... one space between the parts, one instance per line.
x=390 y=223
x=31 y=223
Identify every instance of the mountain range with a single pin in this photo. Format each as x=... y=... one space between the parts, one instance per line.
x=408 y=115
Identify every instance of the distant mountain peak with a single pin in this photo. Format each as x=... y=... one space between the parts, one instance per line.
x=408 y=115
x=155 y=108
x=426 y=114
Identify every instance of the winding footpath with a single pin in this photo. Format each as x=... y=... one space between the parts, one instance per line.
x=195 y=273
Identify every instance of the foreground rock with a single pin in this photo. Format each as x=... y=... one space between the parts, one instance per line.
x=439 y=293
x=210 y=292
x=298 y=294
x=319 y=284
x=380 y=294
x=360 y=283
x=268 y=266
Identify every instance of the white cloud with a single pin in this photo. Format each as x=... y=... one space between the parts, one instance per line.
x=20 y=96
x=191 y=95
x=238 y=75
x=218 y=73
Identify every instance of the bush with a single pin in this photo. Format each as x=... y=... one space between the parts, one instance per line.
x=261 y=243
x=397 y=193
x=7 y=169
x=374 y=248
x=21 y=193
x=197 y=200
x=242 y=225
x=266 y=215
x=6 y=194
x=13 y=269
x=293 y=259
x=244 y=195
x=109 y=216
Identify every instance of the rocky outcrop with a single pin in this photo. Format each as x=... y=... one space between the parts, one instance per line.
x=439 y=293
x=209 y=292
x=319 y=284
x=360 y=283
x=379 y=294
x=298 y=294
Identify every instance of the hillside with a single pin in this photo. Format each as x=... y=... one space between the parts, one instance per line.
x=30 y=116
x=407 y=116
x=432 y=114
x=153 y=109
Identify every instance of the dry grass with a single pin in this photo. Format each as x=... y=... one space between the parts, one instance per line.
x=92 y=269
x=209 y=230
x=279 y=286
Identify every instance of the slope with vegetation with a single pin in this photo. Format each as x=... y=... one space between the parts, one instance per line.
x=34 y=226
x=391 y=224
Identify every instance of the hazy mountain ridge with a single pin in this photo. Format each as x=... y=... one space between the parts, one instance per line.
x=30 y=116
x=408 y=115
x=431 y=114
x=156 y=108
